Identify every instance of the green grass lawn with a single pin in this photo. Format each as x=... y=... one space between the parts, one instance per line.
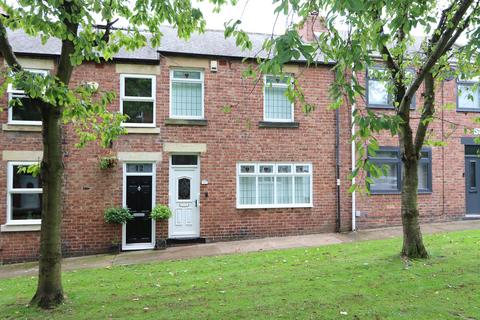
x=365 y=280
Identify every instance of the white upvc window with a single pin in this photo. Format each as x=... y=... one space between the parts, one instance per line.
x=186 y=94
x=274 y=185
x=276 y=105
x=24 y=113
x=137 y=99
x=468 y=95
x=24 y=195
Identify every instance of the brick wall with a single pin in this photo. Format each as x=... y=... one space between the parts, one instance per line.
x=447 y=200
x=230 y=138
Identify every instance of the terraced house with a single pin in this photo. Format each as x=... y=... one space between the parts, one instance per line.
x=233 y=158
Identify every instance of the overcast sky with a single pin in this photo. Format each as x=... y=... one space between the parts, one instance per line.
x=256 y=16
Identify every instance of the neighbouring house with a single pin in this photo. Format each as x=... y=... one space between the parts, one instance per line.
x=233 y=159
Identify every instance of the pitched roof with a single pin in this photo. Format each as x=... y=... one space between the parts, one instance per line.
x=209 y=43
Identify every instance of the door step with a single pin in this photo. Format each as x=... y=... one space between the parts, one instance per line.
x=185 y=242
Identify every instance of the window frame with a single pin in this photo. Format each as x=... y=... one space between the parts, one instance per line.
x=278 y=85
x=469 y=82
x=153 y=99
x=274 y=174
x=11 y=190
x=201 y=80
x=15 y=93
x=427 y=161
x=382 y=106
x=398 y=161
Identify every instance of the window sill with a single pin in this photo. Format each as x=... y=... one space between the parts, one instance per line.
x=385 y=192
x=396 y=192
x=276 y=207
x=468 y=110
x=186 y=122
x=19 y=227
x=273 y=124
x=385 y=107
x=21 y=127
x=133 y=130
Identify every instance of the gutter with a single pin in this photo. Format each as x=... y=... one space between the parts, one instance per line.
x=236 y=57
x=337 y=170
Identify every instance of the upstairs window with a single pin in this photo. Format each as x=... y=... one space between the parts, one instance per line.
x=186 y=94
x=277 y=106
x=24 y=110
x=391 y=182
x=468 y=95
x=270 y=185
x=24 y=200
x=378 y=95
x=137 y=99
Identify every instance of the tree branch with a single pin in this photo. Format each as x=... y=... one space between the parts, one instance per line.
x=439 y=48
x=6 y=49
x=108 y=28
x=428 y=111
x=65 y=67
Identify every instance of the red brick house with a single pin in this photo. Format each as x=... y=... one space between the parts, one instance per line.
x=233 y=159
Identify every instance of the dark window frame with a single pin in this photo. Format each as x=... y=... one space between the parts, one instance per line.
x=466 y=83
x=379 y=161
x=382 y=106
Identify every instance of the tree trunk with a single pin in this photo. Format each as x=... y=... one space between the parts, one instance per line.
x=49 y=290
x=412 y=236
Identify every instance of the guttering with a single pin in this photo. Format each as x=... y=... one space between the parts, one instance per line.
x=142 y=61
x=236 y=57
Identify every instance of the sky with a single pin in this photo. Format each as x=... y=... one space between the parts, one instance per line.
x=256 y=16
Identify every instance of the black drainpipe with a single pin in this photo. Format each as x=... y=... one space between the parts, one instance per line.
x=337 y=169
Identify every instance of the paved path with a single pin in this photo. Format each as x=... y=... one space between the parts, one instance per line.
x=220 y=248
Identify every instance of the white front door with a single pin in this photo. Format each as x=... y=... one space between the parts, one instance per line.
x=184 y=194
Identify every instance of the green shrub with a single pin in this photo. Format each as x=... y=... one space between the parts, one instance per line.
x=161 y=212
x=107 y=162
x=117 y=215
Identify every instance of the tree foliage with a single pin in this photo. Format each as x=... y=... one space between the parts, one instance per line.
x=87 y=33
x=361 y=35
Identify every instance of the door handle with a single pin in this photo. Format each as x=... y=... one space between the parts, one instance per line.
x=196 y=203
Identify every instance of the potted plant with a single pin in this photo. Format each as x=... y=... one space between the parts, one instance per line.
x=117 y=215
x=161 y=212
x=107 y=162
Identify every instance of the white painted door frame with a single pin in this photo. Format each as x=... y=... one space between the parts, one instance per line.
x=138 y=246
x=176 y=172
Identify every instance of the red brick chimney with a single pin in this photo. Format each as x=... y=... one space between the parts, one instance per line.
x=312 y=24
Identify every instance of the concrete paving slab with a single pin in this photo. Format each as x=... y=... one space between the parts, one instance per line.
x=231 y=247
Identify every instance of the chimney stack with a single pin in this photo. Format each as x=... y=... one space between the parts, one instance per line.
x=313 y=24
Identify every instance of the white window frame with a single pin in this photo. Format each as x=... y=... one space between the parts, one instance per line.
x=152 y=98
x=470 y=83
x=201 y=80
x=277 y=85
x=274 y=174
x=14 y=93
x=11 y=190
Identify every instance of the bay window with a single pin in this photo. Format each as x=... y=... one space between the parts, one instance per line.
x=274 y=185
